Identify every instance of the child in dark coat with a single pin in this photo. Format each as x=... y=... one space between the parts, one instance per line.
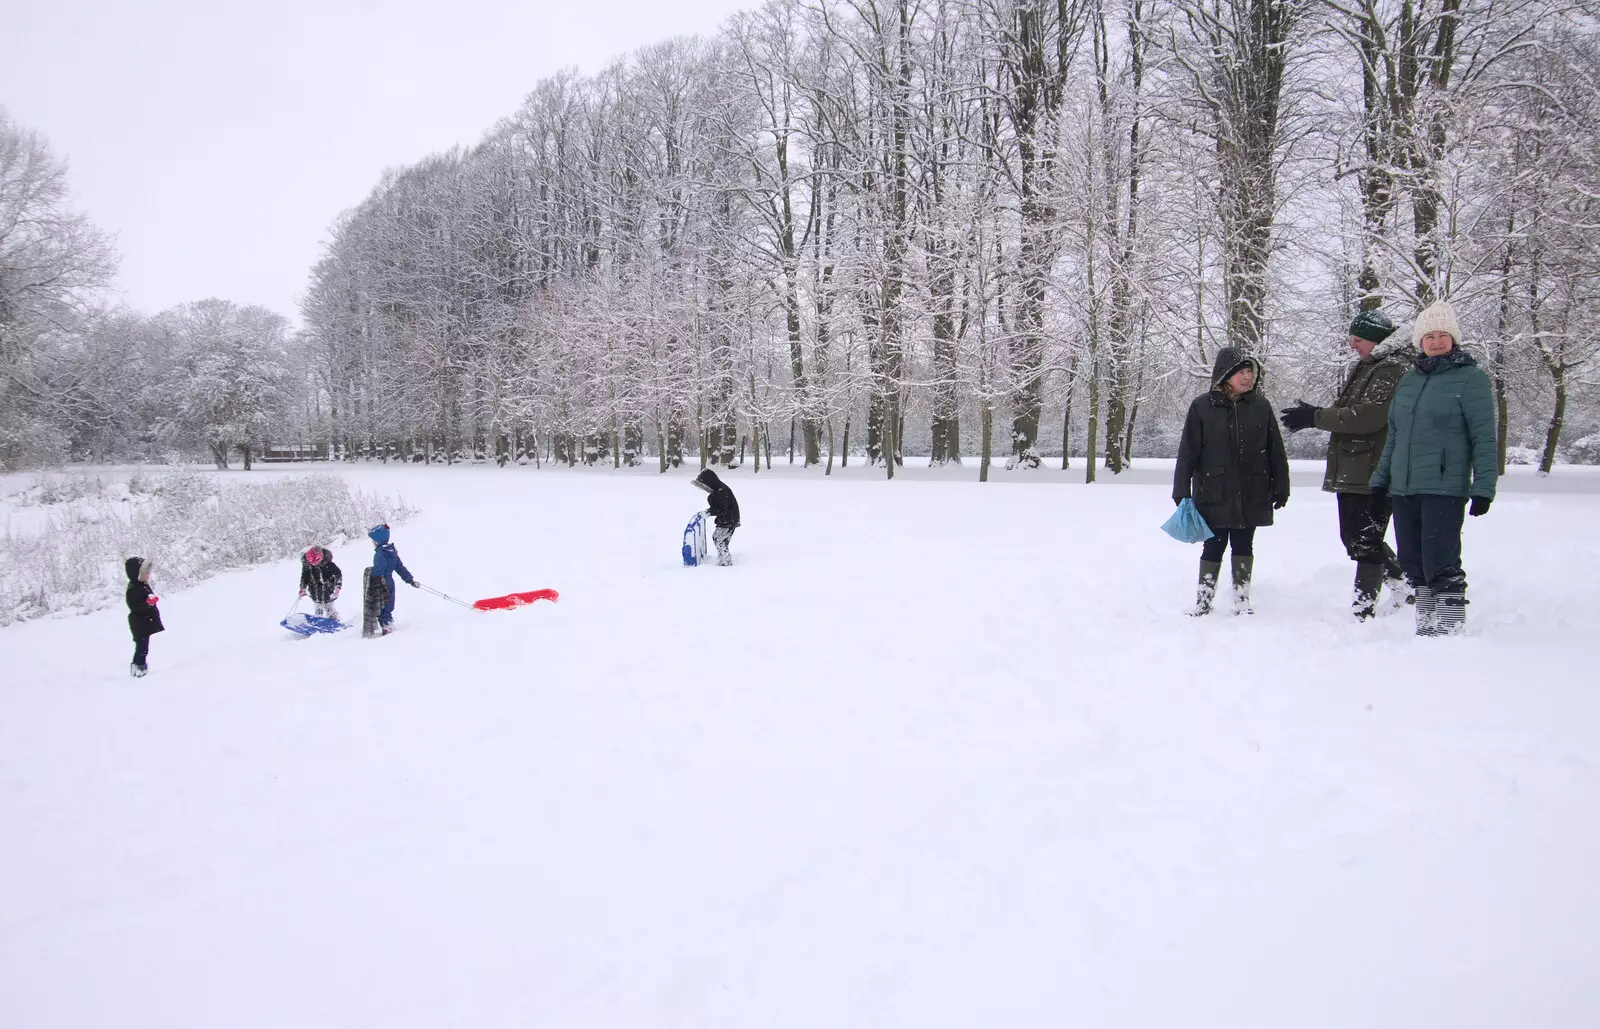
x=723 y=508
x=1231 y=461
x=320 y=579
x=144 y=617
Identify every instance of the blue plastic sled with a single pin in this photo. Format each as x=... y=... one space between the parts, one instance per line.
x=694 y=540
x=1186 y=525
x=310 y=625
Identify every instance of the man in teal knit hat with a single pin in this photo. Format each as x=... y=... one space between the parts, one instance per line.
x=1357 y=422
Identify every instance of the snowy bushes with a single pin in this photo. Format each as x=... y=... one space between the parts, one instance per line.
x=191 y=524
x=1585 y=450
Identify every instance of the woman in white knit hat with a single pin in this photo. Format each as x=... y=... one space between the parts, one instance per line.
x=1440 y=454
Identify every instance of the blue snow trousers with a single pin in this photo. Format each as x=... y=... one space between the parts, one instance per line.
x=1427 y=534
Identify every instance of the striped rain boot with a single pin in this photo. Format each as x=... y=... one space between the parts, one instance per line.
x=1427 y=612
x=1450 y=606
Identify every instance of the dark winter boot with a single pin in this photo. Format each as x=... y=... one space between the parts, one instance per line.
x=137 y=671
x=1427 y=611
x=1242 y=569
x=1206 y=593
x=1369 y=580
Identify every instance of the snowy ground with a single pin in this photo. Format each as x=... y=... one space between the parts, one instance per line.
x=933 y=754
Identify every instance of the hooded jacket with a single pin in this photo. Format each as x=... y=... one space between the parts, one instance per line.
x=719 y=498
x=1359 y=418
x=144 y=618
x=321 y=581
x=1231 y=458
x=1442 y=434
x=386 y=561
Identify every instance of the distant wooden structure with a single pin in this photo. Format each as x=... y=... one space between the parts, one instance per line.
x=277 y=452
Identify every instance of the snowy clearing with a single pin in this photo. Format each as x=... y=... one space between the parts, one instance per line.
x=931 y=754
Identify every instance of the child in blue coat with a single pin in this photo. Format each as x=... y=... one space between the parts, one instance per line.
x=385 y=563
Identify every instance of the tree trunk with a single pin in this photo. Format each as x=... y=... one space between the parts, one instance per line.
x=1127 y=444
x=1503 y=419
x=1094 y=415
x=1066 y=432
x=1553 y=435
x=988 y=439
x=219 y=454
x=946 y=400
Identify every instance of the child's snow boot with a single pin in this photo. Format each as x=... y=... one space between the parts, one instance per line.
x=1206 y=591
x=1242 y=569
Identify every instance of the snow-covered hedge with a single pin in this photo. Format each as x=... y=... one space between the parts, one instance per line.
x=193 y=525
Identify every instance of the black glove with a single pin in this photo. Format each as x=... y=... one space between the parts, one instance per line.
x=416 y=584
x=1377 y=502
x=1480 y=506
x=1278 y=503
x=1178 y=501
x=1301 y=416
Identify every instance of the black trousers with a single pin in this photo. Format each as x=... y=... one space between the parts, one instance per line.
x=1362 y=526
x=1243 y=541
x=141 y=648
x=1428 y=530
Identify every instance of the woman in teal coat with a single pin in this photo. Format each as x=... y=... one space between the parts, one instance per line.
x=1440 y=453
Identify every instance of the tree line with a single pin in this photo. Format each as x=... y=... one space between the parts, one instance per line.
x=82 y=379
x=991 y=229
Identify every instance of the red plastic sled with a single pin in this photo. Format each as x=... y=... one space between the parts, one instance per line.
x=514 y=600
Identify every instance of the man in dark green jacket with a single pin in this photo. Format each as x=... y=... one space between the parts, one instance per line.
x=1440 y=453
x=1358 y=422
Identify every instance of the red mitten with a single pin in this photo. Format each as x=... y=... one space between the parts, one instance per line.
x=152 y=600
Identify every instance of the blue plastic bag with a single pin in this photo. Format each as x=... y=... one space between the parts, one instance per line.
x=1186 y=525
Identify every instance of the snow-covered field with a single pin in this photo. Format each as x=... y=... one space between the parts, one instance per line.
x=932 y=754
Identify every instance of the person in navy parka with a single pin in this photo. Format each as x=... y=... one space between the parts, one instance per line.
x=722 y=506
x=385 y=564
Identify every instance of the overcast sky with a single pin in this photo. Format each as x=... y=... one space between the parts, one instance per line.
x=219 y=140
